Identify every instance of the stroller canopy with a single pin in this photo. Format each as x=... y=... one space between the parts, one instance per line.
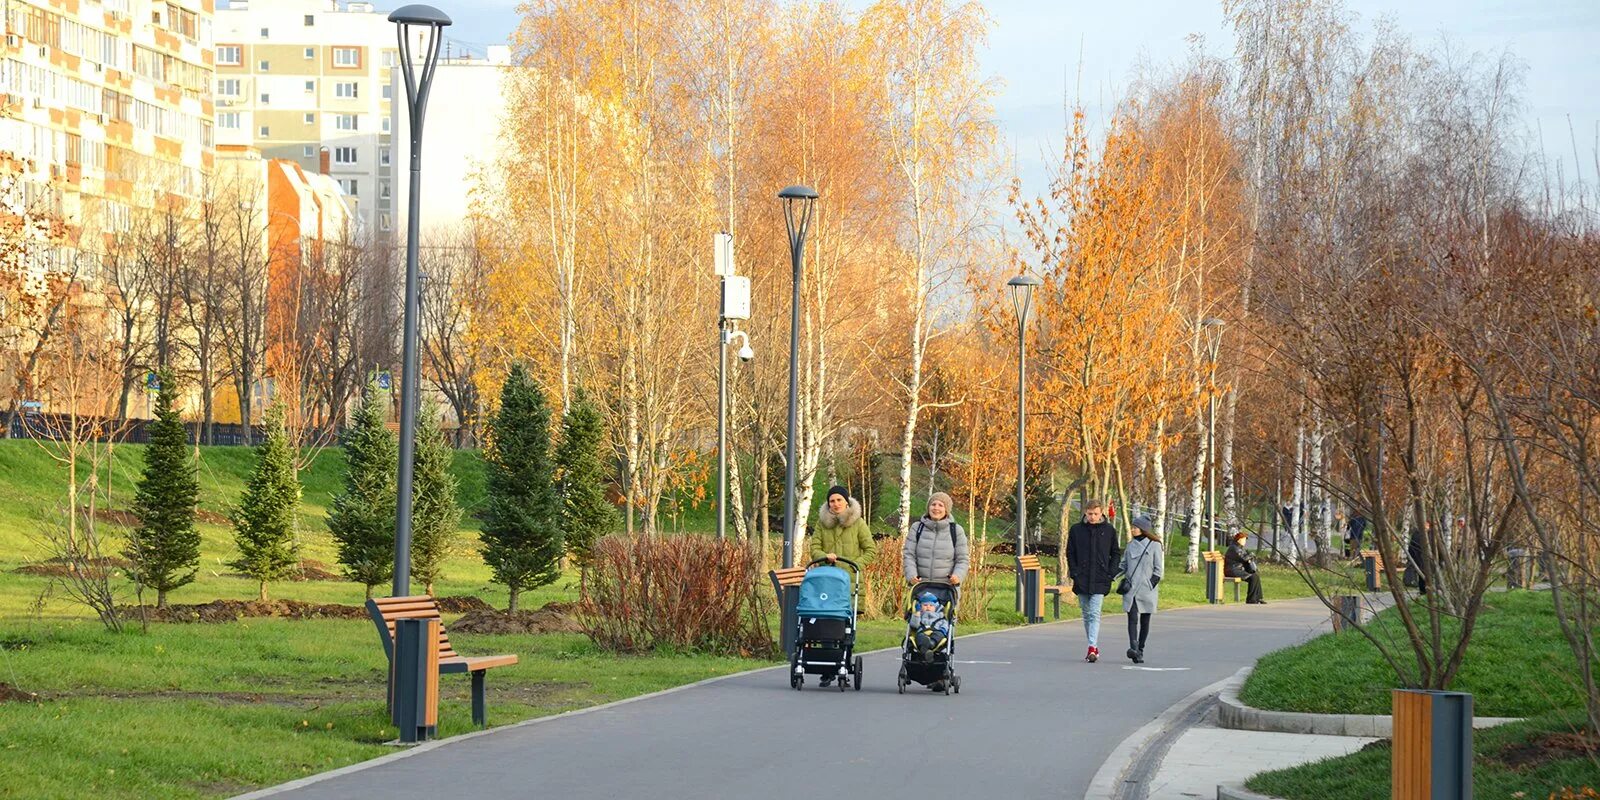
x=825 y=592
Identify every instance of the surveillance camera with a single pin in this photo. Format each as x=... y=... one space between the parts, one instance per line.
x=745 y=353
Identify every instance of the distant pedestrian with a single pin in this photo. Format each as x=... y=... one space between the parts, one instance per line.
x=1143 y=565
x=1417 y=559
x=1092 y=559
x=1238 y=563
x=1355 y=531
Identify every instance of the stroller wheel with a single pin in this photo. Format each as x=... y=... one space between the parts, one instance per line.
x=901 y=680
x=955 y=683
x=857 y=681
x=796 y=681
x=844 y=683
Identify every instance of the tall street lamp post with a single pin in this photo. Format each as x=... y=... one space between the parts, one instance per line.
x=1213 y=330
x=735 y=306
x=429 y=21
x=1021 y=289
x=798 y=203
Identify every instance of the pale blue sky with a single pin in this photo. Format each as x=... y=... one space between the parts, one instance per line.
x=1035 y=47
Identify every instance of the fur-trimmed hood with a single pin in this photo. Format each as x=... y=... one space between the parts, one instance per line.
x=827 y=519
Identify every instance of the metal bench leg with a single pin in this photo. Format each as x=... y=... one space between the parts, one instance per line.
x=480 y=714
x=1235 y=591
x=1058 y=605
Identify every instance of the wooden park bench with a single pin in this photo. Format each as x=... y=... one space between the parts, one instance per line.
x=384 y=612
x=1214 y=593
x=1031 y=562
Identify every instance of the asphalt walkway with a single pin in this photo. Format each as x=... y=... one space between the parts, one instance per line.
x=1032 y=721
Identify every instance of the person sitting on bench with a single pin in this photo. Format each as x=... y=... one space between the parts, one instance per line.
x=1240 y=564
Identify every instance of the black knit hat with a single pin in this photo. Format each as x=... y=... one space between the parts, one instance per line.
x=838 y=490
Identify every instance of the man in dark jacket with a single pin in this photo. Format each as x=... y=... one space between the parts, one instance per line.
x=1092 y=559
x=1238 y=563
x=1355 y=531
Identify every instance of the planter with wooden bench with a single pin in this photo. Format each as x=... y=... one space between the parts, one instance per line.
x=1216 y=575
x=385 y=610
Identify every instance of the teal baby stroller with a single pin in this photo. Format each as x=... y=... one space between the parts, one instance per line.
x=825 y=643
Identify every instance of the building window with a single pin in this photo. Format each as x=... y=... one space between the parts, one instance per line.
x=350 y=186
x=385 y=124
x=310 y=118
x=347 y=56
x=388 y=91
x=311 y=87
x=264 y=66
x=228 y=87
x=264 y=33
x=309 y=151
x=266 y=99
x=344 y=89
x=230 y=55
x=390 y=58
x=265 y=131
x=344 y=155
x=311 y=19
x=383 y=157
x=311 y=52
x=383 y=190
x=345 y=122
x=229 y=120
x=383 y=221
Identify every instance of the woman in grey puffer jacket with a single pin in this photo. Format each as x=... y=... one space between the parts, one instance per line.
x=936 y=547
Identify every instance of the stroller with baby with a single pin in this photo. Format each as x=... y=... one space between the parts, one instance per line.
x=825 y=643
x=927 y=657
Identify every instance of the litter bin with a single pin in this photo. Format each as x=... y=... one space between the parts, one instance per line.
x=1214 y=580
x=415 y=705
x=1432 y=745
x=1347 y=612
x=1369 y=564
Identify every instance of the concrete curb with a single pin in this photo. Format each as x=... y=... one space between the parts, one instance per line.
x=1107 y=781
x=1226 y=792
x=377 y=761
x=1233 y=714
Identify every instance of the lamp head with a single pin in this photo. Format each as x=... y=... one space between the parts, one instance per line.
x=798 y=193
x=745 y=353
x=1021 y=290
x=418 y=14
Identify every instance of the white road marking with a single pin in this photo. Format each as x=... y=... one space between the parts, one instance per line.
x=1159 y=669
x=983 y=662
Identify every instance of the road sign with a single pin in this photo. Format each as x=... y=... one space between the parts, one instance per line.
x=152 y=381
x=385 y=381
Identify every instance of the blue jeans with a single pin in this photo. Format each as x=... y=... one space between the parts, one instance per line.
x=1090 y=605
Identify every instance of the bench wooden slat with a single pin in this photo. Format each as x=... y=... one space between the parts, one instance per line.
x=384 y=611
x=791 y=576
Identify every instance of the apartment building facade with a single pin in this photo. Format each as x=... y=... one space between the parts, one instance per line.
x=297 y=79
x=107 y=110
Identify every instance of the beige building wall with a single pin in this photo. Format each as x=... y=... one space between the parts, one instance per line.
x=295 y=77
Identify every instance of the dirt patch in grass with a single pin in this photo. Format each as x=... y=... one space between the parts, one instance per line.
x=11 y=694
x=463 y=603
x=211 y=517
x=552 y=618
x=1528 y=754
x=61 y=567
x=310 y=570
x=235 y=610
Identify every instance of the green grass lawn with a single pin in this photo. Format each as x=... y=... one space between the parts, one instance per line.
x=1518 y=664
x=1366 y=774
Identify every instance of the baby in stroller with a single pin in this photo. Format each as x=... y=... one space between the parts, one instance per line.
x=930 y=631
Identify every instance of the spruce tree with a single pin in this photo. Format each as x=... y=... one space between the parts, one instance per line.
x=362 y=519
x=435 y=515
x=586 y=515
x=521 y=527
x=264 y=522
x=165 y=549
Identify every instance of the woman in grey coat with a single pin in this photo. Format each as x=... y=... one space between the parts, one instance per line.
x=1142 y=568
x=936 y=548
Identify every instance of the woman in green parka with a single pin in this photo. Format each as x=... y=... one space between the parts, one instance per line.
x=841 y=531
